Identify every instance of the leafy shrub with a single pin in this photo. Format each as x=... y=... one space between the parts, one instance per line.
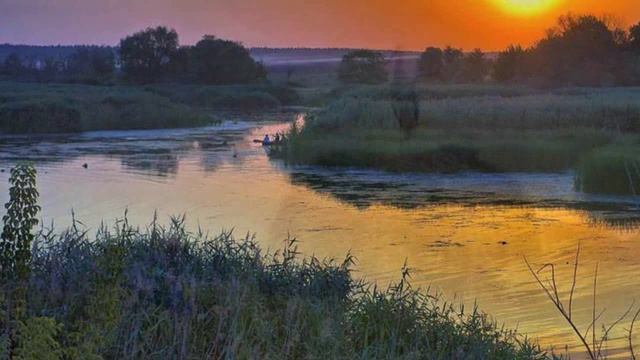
x=38 y=339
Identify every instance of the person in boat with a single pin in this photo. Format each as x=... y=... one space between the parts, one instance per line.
x=277 y=138
x=266 y=141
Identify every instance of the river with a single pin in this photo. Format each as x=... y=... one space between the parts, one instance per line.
x=465 y=236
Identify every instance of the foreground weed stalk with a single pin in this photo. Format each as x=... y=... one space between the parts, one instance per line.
x=595 y=347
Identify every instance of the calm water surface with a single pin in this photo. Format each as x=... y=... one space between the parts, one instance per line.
x=464 y=235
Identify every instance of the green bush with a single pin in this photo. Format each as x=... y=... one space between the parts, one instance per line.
x=38 y=339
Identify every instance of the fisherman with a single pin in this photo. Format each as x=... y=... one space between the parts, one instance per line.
x=266 y=141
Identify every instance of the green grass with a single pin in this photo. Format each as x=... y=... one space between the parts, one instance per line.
x=480 y=128
x=612 y=170
x=51 y=108
x=615 y=109
x=441 y=151
x=167 y=293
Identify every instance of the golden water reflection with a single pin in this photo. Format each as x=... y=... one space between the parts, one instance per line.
x=470 y=249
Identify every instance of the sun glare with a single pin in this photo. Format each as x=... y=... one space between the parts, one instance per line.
x=525 y=7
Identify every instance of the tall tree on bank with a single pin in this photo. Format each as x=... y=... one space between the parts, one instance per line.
x=218 y=61
x=509 y=65
x=580 y=50
x=363 y=66
x=634 y=38
x=452 y=63
x=146 y=55
x=475 y=66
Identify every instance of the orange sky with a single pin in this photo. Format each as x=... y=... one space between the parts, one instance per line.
x=394 y=24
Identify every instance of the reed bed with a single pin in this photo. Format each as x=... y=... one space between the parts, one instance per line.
x=556 y=131
x=168 y=293
x=56 y=108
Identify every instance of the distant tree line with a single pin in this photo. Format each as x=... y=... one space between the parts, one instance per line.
x=582 y=50
x=148 y=56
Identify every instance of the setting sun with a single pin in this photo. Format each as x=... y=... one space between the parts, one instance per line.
x=526 y=7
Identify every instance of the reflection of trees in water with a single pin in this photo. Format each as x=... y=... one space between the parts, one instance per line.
x=153 y=156
x=363 y=194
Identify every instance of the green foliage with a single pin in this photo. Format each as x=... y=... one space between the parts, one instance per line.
x=18 y=222
x=488 y=108
x=38 y=339
x=364 y=67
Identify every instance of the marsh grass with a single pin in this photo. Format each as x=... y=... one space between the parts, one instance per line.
x=442 y=151
x=245 y=97
x=490 y=129
x=613 y=169
x=168 y=293
x=54 y=108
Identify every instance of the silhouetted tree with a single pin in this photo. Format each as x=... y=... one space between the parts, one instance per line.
x=363 y=66
x=181 y=63
x=474 y=68
x=581 y=50
x=452 y=63
x=146 y=55
x=218 y=61
x=431 y=64
x=634 y=37
x=509 y=64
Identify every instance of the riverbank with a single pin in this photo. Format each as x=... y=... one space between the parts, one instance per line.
x=62 y=108
x=593 y=132
x=165 y=292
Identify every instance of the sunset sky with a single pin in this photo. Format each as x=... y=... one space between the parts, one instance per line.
x=390 y=24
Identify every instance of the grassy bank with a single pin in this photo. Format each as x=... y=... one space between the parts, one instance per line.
x=491 y=129
x=166 y=293
x=54 y=108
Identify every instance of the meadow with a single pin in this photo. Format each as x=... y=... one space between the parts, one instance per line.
x=594 y=132
x=57 y=108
